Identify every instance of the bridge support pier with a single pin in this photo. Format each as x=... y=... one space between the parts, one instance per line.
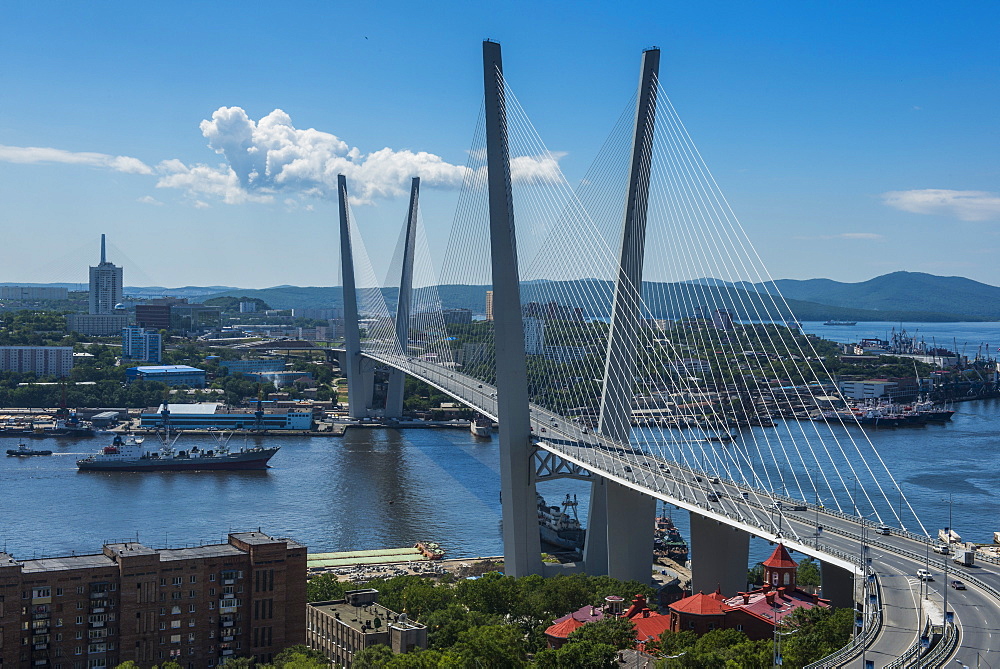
x=838 y=585
x=719 y=556
x=631 y=515
x=595 y=550
x=622 y=548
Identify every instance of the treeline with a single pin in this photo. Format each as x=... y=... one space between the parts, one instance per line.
x=499 y=621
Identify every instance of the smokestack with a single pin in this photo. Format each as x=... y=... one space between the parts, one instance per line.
x=104 y=258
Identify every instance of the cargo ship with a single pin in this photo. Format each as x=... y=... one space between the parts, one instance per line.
x=481 y=427
x=127 y=454
x=560 y=527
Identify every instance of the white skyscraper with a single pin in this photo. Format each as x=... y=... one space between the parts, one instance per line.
x=105 y=285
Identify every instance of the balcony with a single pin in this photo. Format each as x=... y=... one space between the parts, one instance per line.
x=229 y=581
x=40 y=646
x=96 y=624
x=40 y=630
x=99 y=595
x=226 y=638
x=227 y=623
x=226 y=652
x=41 y=616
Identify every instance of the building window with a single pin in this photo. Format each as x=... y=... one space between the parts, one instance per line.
x=59 y=592
x=194 y=579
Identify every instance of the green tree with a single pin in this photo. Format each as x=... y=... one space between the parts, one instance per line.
x=491 y=647
x=445 y=625
x=426 y=659
x=619 y=633
x=326 y=588
x=372 y=657
x=807 y=573
x=818 y=632
x=300 y=657
x=583 y=654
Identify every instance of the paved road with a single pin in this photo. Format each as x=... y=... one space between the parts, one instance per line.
x=894 y=558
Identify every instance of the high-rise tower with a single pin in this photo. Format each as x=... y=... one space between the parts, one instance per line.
x=105 y=285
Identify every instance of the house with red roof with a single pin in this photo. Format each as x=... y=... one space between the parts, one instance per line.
x=648 y=624
x=756 y=612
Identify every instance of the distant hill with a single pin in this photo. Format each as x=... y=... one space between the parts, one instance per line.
x=899 y=296
x=906 y=291
x=745 y=304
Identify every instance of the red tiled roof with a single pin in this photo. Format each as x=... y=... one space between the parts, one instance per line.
x=653 y=626
x=780 y=558
x=783 y=603
x=702 y=605
x=563 y=628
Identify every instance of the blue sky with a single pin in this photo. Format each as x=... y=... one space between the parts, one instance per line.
x=852 y=139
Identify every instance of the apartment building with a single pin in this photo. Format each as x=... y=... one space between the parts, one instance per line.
x=196 y=606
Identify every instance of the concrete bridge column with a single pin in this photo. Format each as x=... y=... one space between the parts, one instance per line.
x=619 y=532
x=630 y=518
x=719 y=556
x=595 y=550
x=838 y=585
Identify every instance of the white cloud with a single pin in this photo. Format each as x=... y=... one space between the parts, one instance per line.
x=271 y=160
x=42 y=154
x=870 y=236
x=967 y=205
x=272 y=155
x=858 y=235
x=149 y=199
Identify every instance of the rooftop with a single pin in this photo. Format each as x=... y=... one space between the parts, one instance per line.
x=67 y=563
x=701 y=604
x=363 y=618
x=166 y=369
x=780 y=559
x=773 y=605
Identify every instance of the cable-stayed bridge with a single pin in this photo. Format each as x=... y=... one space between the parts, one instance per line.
x=609 y=355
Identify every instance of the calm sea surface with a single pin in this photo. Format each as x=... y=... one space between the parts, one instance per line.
x=386 y=488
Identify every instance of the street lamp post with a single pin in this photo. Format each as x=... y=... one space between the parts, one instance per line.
x=778 y=660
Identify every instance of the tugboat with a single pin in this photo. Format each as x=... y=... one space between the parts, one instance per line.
x=560 y=527
x=667 y=540
x=24 y=451
x=129 y=455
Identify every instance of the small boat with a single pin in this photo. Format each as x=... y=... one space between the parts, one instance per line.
x=429 y=550
x=480 y=427
x=24 y=451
